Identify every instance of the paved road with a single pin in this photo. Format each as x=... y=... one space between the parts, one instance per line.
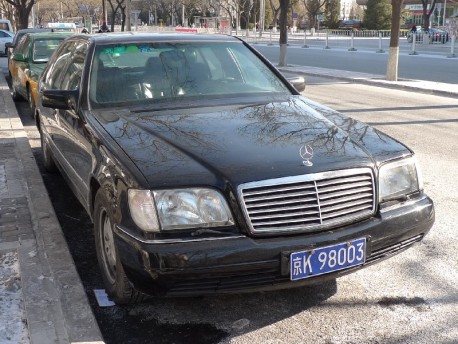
x=432 y=65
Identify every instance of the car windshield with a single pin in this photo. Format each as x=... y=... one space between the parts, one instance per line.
x=42 y=49
x=149 y=73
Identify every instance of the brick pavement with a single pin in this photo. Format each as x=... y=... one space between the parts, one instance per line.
x=55 y=303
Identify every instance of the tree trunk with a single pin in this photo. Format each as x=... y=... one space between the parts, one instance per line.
x=284 y=4
x=426 y=15
x=393 y=57
x=23 y=17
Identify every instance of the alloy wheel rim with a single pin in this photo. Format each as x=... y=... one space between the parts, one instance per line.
x=108 y=247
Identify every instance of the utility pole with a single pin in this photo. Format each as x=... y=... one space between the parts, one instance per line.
x=393 y=56
x=104 y=11
x=445 y=8
x=262 y=15
x=128 y=28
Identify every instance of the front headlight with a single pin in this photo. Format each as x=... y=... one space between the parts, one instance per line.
x=398 y=179
x=178 y=209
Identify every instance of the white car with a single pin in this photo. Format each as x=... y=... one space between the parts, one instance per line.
x=5 y=37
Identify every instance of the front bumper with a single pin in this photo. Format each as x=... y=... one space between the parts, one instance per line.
x=248 y=264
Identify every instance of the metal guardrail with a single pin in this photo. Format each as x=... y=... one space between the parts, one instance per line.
x=327 y=39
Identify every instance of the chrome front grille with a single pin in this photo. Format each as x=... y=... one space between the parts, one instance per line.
x=308 y=203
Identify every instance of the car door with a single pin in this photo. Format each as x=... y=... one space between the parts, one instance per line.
x=5 y=37
x=73 y=143
x=65 y=128
x=18 y=73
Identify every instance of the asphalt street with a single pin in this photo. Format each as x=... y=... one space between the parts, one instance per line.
x=432 y=64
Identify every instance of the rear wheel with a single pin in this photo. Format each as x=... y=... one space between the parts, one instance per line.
x=116 y=283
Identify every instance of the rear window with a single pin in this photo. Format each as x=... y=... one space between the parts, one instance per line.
x=5 y=26
x=42 y=49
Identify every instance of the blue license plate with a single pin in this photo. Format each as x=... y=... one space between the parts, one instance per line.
x=324 y=260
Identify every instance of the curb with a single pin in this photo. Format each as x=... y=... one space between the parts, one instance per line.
x=56 y=306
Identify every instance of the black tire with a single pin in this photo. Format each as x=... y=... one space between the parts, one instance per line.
x=114 y=278
x=30 y=100
x=15 y=94
x=48 y=160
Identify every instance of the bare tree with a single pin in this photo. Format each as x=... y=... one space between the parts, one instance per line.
x=52 y=10
x=22 y=12
x=117 y=5
x=275 y=12
x=229 y=8
x=8 y=11
x=314 y=8
x=428 y=10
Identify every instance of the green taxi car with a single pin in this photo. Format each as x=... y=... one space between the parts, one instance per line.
x=28 y=61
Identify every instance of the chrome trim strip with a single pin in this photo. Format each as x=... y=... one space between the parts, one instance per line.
x=402 y=204
x=123 y=232
x=305 y=178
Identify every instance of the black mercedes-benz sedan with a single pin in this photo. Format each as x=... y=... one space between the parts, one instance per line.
x=204 y=170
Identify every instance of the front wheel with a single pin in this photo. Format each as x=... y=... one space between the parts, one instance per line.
x=116 y=283
x=30 y=100
x=48 y=160
x=15 y=95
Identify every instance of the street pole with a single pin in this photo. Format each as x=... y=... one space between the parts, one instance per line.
x=104 y=11
x=262 y=14
x=33 y=16
x=445 y=7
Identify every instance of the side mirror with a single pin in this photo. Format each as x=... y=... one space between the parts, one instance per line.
x=59 y=99
x=19 y=57
x=9 y=45
x=298 y=82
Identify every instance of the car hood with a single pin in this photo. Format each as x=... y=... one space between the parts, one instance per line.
x=243 y=143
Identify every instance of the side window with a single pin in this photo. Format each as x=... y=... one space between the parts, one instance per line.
x=53 y=75
x=22 y=45
x=73 y=74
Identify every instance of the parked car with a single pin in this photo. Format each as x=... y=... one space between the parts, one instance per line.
x=438 y=35
x=5 y=24
x=432 y=35
x=11 y=45
x=204 y=170
x=28 y=61
x=5 y=38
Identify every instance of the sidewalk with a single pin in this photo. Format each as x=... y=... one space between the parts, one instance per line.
x=55 y=303
x=56 y=309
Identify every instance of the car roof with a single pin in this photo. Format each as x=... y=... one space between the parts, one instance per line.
x=49 y=34
x=126 y=37
x=22 y=32
x=33 y=30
